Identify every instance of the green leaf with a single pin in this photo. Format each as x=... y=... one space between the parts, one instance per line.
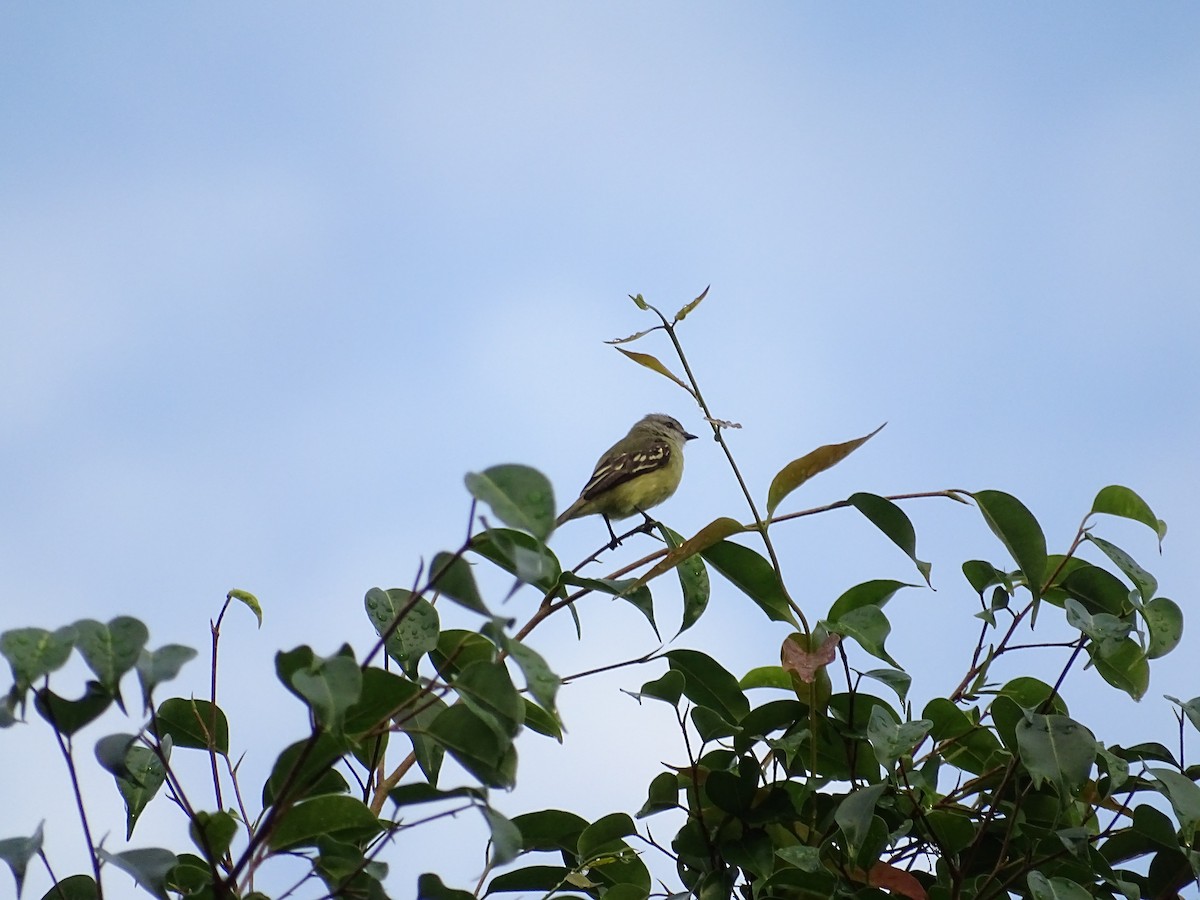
x=690 y=305
x=213 y=833
x=305 y=769
x=193 y=723
x=69 y=716
x=541 y=721
x=669 y=688
x=813 y=463
x=34 y=653
x=451 y=576
x=475 y=745
x=430 y=887
x=891 y=740
x=869 y=593
x=1058 y=888
x=111 y=752
x=653 y=364
x=420 y=792
x=639 y=301
x=982 y=575
x=1123 y=665
x=896 y=679
x=506 y=837
x=766 y=677
x=110 y=650
x=1184 y=795
x=707 y=684
x=693 y=581
x=521 y=555
x=965 y=743
x=384 y=695
x=330 y=686
x=1056 y=749
x=605 y=834
x=628 y=589
x=541 y=682
x=487 y=688
x=149 y=867
x=144 y=775
x=519 y=496
x=16 y=853
x=1020 y=533
x=1164 y=618
x=1101 y=628
x=1191 y=709
x=663 y=795
x=155 y=667
x=1121 y=501
x=855 y=813
x=550 y=829
x=711 y=534
x=333 y=815
x=540 y=879
x=750 y=573
x=73 y=887
x=1031 y=694
x=417 y=631
x=1146 y=583
x=869 y=627
x=1097 y=589
x=893 y=522
x=248 y=600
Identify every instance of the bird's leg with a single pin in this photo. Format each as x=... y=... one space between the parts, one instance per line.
x=648 y=524
x=615 y=540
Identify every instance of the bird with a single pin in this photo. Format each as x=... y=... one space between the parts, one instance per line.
x=636 y=473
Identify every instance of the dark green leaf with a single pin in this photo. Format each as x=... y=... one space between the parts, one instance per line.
x=855 y=812
x=1121 y=501
x=111 y=752
x=451 y=576
x=110 y=650
x=305 y=769
x=1098 y=589
x=420 y=792
x=193 y=723
x=1056 y=749
x=662 y=795
x=813 y=463
x=73 y=887
x=506 y=837
x=1020 y=533
x=16 y=853
x=605 y=834
x=149 y=867
x=475 y=745
x=1058 y=888
x=668 y=688
x=550 y=829
x=753 y=575
x=68 y=716
x=542 y=683
x=964 y=742
x=707 y=684
x=766 y=677
x=155 y=667
x=519 y=496
x=488 y=690
x=891 y=740
x=1146 y=583
x=541 y=879
x=384 y=695
x=629 y=589
x=1184 y=795
x=213 y=833
x=330 y=686
x=35 y=652
x=334 y=815
x=520 y=554
x=430 y=887
x=982 y=575
x=1123 y=665
x=893 y=522
x=693 y=581
x=869 y=593
x=869 y=627
x=417 y=631
x=145 y=774
x=1164 y=618
x=897 y=680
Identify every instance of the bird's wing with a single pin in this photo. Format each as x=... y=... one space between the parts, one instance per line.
x=611 y=472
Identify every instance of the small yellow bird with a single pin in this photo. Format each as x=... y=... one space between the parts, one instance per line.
x=637 y=472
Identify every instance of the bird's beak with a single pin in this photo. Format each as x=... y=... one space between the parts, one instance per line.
x=688 y=437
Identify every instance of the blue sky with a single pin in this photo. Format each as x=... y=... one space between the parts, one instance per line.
x=273 y=278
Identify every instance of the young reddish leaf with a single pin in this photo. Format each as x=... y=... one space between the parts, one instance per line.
x=800 y=470
x=805 y=663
